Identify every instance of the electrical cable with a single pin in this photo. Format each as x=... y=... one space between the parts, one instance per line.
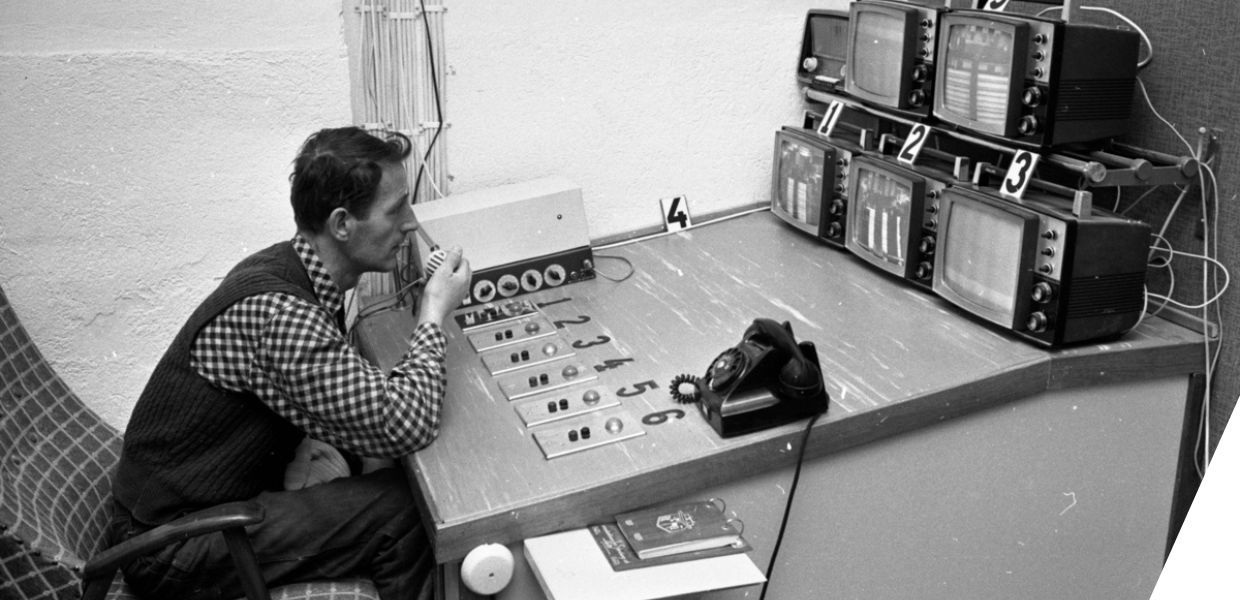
x=792 y=490
x=1141 y=63
x=626 y=261
x=691 y=227
x=430 y=56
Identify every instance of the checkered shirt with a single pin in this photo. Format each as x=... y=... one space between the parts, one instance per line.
x=293 y=356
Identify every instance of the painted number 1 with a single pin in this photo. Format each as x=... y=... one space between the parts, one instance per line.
x=1018 y=174
x=830 y=118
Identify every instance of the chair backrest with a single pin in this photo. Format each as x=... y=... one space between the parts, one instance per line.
x=56 y=459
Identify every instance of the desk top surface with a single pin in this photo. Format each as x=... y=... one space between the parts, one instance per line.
x=894 y=358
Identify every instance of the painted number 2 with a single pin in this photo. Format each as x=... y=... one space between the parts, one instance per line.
x=1018 y=174
x=913 y=143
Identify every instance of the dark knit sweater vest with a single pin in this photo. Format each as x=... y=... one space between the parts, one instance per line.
x=188 y=444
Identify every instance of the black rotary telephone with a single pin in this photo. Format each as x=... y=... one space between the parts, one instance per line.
x=767 y=379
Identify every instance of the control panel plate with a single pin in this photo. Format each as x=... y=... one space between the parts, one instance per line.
x=537 y=380
x=526 y=354
x=519 y=330
x=567 y=404
x=587 y=432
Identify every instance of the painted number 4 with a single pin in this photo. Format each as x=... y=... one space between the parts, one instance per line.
x=675 y=213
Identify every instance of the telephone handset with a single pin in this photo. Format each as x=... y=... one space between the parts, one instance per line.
x=767 y=379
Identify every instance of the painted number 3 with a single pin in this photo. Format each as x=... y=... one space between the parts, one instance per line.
x=1019 y=174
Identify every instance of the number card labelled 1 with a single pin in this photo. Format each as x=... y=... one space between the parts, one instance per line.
x=1018 y=174
x=675 y=213
x=913 y=143
x=830 y=118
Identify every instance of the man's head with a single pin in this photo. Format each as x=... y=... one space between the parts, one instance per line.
x=350 y=197
x=341 y=168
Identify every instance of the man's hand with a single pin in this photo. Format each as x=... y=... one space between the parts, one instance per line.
x=446 y=288
x=315 y=462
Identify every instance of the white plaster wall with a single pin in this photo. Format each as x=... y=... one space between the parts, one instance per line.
x=634 y=101
x=147 y=144
x=146 y=149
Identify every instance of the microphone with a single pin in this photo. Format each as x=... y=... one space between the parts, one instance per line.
x=434 y=261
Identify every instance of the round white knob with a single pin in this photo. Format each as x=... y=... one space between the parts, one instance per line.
x=487 y=569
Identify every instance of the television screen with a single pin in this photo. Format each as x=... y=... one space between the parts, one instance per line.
x=980 y=250
x=878 y=53
x=977 y=75
x=882 y=206
x=798 y=185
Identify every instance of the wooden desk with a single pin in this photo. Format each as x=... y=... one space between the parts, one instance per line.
x=895 y=360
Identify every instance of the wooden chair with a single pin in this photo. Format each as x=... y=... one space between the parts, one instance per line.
x=56 y=462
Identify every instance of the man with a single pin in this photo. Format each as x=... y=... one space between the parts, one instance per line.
x=260 y=388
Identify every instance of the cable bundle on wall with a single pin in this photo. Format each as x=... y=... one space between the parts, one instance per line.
x=398 y=64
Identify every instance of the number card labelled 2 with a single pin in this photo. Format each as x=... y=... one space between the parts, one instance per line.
x=1018 y=174
x=913 y=143
x=675 y=213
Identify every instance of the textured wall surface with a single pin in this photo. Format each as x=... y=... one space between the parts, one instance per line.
x=147 y=146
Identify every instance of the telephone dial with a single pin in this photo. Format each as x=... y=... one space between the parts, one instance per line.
x=767 y=379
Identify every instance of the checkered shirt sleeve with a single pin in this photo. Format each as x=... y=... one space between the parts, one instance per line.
x=291 y=355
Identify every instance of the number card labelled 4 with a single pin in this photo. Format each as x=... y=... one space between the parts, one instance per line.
x=1018 y=174
x=830 y=118
x=913 y=143
x=675 y=213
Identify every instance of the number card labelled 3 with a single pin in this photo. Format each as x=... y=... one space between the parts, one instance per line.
x=675 y=213
x=1018 y=174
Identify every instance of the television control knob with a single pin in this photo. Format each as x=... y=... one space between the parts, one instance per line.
x=927 y=24
x=810 y=64
x=1039 y=72
x=1042 y=292
x=834 y=230
x=1039 y=38
x=836 y=207
x=1032 y=97
x=1050 y=234
x=1037 y=322
x=1048 y=251
x=927 y=245
x=840 y=188
x=1028 y=125
x=1046 y=269
x=924 y=269
x=921 y=73
x=917 y=98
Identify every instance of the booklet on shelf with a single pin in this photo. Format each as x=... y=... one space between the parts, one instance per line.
x=679 y=527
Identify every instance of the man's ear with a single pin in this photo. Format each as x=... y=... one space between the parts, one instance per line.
x=339 y=224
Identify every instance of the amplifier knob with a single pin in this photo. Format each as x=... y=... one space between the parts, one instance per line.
x=1037 y=322
x=1042 y=292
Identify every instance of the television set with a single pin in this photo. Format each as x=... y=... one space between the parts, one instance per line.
x=891 y=54
x=892 y=217
x=1036 y=81
x=824 y=48
x=809 y=183
x=1036 y=269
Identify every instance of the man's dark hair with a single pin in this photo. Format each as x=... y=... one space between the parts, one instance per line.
x=341 y=168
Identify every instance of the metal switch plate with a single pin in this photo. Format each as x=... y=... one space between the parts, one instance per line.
x=495 y=313
x=567 y=404
x=587 y=432
x=522 y=329
x=534 y=381
x=526 y=354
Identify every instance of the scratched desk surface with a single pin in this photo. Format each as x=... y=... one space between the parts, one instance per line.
x=894 y=358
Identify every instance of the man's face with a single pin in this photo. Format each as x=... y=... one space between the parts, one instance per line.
x=378 y=234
